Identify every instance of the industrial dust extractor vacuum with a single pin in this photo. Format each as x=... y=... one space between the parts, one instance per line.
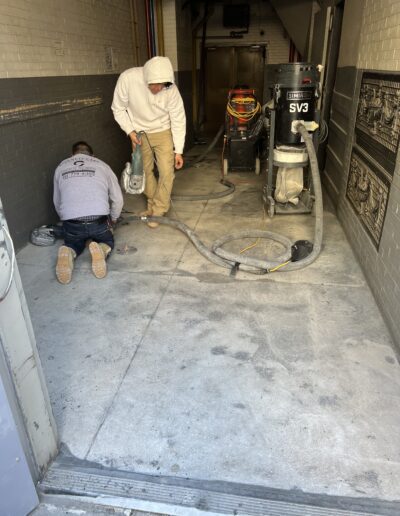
x=295 y=93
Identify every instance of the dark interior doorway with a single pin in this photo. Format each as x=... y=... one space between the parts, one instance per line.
x=225 y=67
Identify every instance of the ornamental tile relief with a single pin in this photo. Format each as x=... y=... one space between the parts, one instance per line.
x=374 y=153
x=368 y=192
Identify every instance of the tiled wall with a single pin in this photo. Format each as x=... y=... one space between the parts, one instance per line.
x=380 y=36
x=33 y=146
x=41 y=38
x=58 y=68
x=370 y=41
x=170 y=36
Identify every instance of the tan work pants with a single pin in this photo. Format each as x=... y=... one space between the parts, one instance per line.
x=158 y=193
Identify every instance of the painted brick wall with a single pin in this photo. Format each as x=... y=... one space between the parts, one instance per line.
x=32 y=148
x=53 y=53
x=56 y=37
x=170 y=39
x=380 y=35
x=378 y=50
x=178 y=34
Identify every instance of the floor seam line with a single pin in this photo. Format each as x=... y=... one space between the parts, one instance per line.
x=129 y=365
x=140 y=343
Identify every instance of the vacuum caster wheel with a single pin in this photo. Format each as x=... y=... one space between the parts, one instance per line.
x=270 y=205
x=271 y=211
x=257 y=168
x=225 y=167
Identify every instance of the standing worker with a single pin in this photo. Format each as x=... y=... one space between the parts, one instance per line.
x=146 y=99
x=86 y=196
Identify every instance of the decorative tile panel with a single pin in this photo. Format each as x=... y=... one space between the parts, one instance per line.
x=368 y=192
x=378 y=117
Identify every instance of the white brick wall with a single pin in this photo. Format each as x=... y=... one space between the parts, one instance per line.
x=58 y=37
x=378 y=49
x=170 y=41
x=380 y=35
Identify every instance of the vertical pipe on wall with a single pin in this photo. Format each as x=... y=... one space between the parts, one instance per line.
x=194 y=71
x=292 y=51
x=134 y=29
x=328 y=27
x=160 y=27
x=148 y=29
x=202 y=82
x=195 y=88
x=152 y=29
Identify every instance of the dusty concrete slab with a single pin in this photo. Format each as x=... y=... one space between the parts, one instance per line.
x=87 y=334
x=171 y=366
x=247 y=389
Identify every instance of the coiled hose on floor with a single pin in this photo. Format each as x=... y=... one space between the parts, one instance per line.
x=219 y=256
x=215 y=195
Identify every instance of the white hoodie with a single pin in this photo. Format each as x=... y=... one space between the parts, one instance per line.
x=135 y=108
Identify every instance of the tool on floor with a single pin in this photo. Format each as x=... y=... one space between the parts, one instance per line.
x=289 y=187
x=46 y=235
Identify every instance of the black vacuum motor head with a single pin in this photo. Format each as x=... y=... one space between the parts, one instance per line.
x=301 y=249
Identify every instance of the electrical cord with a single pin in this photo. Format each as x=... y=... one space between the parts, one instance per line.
x=12 y=259
x=323 y=132
x=245 y=115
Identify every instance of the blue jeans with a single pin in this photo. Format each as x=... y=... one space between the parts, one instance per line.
x=77 y=233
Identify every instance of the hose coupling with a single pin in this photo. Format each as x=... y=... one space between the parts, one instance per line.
x=311 y=126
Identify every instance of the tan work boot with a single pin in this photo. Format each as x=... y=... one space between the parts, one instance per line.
x=99 y=253
x=65 y=264
x=152 y=223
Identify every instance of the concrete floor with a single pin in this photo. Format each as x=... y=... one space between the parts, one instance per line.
x=170 y=366
x=74 y=509
x=57 y=505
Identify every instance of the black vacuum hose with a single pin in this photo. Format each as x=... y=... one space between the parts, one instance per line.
x=209 y=148
x=283 y=262
x=319 y=208
x=206 y=197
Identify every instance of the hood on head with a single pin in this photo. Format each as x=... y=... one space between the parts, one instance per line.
x=158 y=70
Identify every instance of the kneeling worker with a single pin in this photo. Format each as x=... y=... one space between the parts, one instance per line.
x=86 y=196
x=146 y=99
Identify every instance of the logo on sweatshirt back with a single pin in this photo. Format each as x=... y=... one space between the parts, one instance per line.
x=68 y=174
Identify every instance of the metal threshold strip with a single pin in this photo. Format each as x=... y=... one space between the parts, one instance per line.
x=71 y=476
